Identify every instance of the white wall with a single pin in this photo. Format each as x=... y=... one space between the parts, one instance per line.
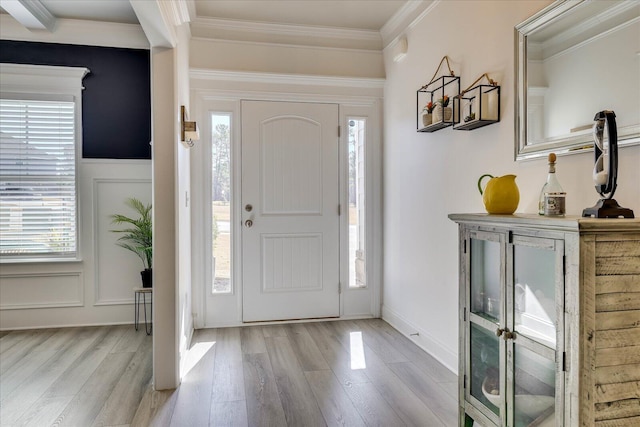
x=288 y=59
x=427 y=176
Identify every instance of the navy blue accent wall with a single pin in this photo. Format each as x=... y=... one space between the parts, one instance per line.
x=116 y=101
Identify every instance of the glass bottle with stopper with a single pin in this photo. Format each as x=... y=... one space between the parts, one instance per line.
x=552 y=197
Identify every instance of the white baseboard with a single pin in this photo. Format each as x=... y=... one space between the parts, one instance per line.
x=25 y=328
x=424 y=339
x=283 y=322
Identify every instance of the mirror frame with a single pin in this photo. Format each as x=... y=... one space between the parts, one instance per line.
x=582 y=141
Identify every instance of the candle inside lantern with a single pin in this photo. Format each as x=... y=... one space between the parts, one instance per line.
x=489 y=105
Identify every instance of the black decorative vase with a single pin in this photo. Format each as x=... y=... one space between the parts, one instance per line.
x=147 y=278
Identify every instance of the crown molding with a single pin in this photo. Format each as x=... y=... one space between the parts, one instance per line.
x=285 y=33
x=30 y=13
x=157 y=20
x=288 y=29
x=178 y=11
x=288 y=45
x=405 y=19
x=79 y=32
x=394 y=26
x=592 y=22
x=287 y=79
x=590 y=40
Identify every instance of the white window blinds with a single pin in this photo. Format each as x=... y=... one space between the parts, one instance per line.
x=37 y=179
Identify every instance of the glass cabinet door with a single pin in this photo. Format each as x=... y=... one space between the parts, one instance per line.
x=534 y=384
x=535 y=313
x=485 y=285
x=485 y=262
x=485 y=381
x=535 y=272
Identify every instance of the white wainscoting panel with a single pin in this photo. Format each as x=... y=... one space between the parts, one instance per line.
x=117 y=270
x=21 y=291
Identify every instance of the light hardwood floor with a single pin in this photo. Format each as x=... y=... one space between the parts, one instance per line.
x=73 y=376
x=342 y=373
x=349 y=373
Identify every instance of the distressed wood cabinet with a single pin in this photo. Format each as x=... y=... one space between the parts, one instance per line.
x=549 y=321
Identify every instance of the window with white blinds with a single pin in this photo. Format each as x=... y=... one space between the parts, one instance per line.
x=38 y=199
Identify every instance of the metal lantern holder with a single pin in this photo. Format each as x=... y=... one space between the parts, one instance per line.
x=479 y=105
x=437 y=89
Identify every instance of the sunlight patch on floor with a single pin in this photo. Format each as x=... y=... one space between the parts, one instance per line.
x=194 y=355
x=357 y=351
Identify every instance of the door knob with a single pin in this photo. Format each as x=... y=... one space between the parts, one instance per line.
x=248 y=223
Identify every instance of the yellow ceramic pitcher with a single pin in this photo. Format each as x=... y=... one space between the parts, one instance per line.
x=501 y=195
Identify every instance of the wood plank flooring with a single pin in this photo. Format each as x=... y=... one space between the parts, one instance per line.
x=341 y=373
x=73 y=376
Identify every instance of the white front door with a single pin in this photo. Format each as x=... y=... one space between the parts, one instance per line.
x=290 y=197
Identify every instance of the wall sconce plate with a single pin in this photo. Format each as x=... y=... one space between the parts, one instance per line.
x=188 y=130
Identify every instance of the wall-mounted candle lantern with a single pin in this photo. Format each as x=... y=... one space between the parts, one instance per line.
x=479 y=105
x=437 y=104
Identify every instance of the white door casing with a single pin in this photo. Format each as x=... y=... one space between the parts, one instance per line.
x=290 y=235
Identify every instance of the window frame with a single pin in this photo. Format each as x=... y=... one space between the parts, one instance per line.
x=49 y=83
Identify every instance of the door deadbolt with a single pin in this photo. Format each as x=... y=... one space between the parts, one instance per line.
x=248 y=207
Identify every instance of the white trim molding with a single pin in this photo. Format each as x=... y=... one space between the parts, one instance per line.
x=397 y=23
x=268 y=32
x=39 y=79
x=50 y=284
x=78 y=32
x=30 y=13
x=124 y=295
x=289 y=79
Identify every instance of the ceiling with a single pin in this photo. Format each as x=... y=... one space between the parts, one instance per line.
x=354 y=14
x=351 y=14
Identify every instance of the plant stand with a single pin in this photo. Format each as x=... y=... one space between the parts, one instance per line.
x=141 y=294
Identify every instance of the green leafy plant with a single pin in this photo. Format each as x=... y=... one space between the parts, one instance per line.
x=444 y=101
x=429 y=107
x=139 y=236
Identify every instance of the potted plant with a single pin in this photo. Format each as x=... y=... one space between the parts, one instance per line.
x=442 y=110
x=138 y=237
x=427 y=116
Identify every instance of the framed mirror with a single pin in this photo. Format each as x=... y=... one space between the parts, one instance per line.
x=573 y=59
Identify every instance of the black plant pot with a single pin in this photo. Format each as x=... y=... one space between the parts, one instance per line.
x=147 y=278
